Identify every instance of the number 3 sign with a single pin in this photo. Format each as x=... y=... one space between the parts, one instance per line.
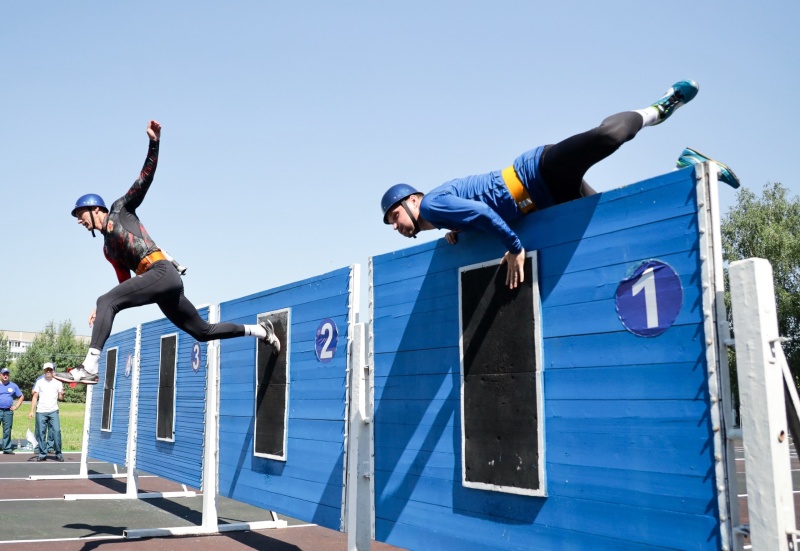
x=326 y=341
x=649 y=300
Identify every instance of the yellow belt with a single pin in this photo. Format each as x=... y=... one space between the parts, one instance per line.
x=518 y=191
x=148 y=261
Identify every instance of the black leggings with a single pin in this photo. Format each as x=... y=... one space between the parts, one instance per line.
x=564 y=164
x=161 y=285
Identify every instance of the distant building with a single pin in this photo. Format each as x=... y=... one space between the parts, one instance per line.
x=20 y=341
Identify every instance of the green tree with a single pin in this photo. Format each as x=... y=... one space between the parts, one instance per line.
x=5 y=352
x=55 y=344
x=769 y=227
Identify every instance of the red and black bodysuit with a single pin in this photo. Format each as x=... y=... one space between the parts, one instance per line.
x=126 y=245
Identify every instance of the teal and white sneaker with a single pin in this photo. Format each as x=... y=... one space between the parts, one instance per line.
x=680 y=93
x=691 y=157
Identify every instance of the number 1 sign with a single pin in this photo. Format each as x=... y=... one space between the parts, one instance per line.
x=649 y=300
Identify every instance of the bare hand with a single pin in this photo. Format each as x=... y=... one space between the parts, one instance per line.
x=154 y=130
x=515 y=263
x=451 y=237
x=30 y=415
x=92 y=317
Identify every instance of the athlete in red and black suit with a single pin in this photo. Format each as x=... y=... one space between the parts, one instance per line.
x=129 y=248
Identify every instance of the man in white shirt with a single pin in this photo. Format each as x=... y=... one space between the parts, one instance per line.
x=46 y=394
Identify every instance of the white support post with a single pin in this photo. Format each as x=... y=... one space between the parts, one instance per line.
x=764 y=426
x=87 y=413
x=132 y=489
x=359 y=458
x=211 y=443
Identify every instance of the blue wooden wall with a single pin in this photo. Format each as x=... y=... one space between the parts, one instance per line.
x=181 y=460
x=308 y=485
x=112 y=446
x=628 y=440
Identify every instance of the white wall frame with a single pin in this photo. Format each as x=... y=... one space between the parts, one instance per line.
x=113 y=392
x=285 y=346
x=174 y=387
x=537 y=320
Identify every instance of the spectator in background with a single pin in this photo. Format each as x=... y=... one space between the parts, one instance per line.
x=50 y=437
x=9 y=392
x=46 y=394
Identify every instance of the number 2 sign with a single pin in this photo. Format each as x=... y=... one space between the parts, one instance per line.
x=649 y=300
x=327 y=340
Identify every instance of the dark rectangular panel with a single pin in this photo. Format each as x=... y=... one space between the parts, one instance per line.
x=501 y=440
x=271 y=390
x=108 y=388
x=165 y=423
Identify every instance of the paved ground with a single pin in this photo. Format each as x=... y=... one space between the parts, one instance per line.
x=36 y=515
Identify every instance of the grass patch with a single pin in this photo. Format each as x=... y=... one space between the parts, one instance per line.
x=71 y=416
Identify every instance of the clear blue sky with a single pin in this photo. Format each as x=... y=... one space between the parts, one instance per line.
x=284 y=122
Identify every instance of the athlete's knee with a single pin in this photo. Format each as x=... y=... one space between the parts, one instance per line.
x=105 y=302
x=620 y=128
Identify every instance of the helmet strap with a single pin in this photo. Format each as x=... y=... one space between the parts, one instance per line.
x=413 y=219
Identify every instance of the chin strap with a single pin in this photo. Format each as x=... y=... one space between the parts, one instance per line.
x=413 y=219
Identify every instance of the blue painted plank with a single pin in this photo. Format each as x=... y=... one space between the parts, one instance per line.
x=309 y=511
x=430 y=536
x=624 y=382
x=559 y=524
x=687 y=345
x=691 y=494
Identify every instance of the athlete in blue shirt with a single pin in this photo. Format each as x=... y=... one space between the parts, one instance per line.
x=545 y=176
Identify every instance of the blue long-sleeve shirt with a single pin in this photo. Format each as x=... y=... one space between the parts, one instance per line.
x=483 y=202
x=480 y=202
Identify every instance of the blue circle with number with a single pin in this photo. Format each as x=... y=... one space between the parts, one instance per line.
x=196 y=356
x=650 y=299
x=326 y=341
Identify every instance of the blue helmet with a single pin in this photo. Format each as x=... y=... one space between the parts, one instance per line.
x=89 y=200
x=394 y=195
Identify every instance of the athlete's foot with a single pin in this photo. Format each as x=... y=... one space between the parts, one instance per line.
x=271 y=339
x=680 y=93
x=77 y=375
x=691 y=157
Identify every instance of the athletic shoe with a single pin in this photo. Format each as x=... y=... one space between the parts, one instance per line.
x=9 y=453
x=60 y=459
x=271 y=339
x=77 y=375
x=680 y=93
x=40 y=458
x=691 y=157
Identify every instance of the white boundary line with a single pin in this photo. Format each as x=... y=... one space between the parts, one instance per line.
x=87 y=538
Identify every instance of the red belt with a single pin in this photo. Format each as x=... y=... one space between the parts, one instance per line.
x=148 y=261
